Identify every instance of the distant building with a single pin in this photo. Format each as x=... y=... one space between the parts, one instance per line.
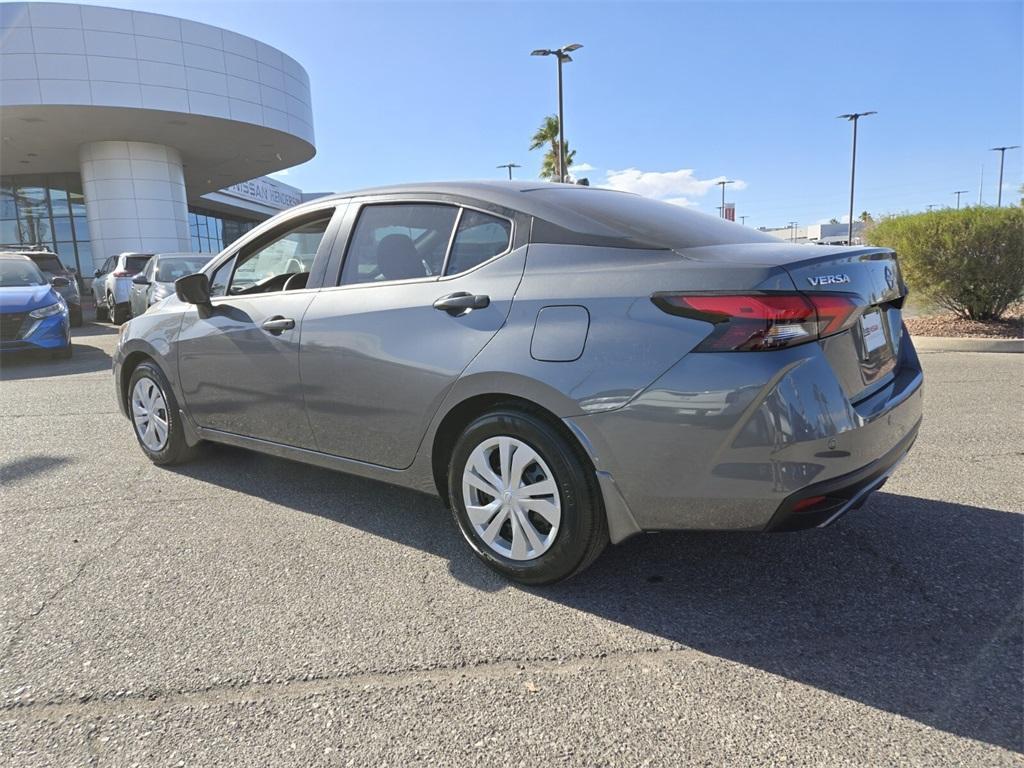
x=132 y=131
x=819 y=234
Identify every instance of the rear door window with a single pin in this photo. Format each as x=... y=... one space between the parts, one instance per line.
x=400 y=241
x=480 y=237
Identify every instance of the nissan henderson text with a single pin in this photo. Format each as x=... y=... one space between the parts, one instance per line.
x=564 y=366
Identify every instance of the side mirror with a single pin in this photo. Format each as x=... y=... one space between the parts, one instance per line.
x=194 y=289
x=140 y=279
x=97 y=273
x=60 y=282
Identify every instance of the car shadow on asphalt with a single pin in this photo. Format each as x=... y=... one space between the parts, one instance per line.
x=34 y=364
x=909 y=605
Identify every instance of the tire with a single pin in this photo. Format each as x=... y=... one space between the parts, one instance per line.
x=117 y=313
x=172 y=449
x=575 y=512
x=101 y=312
x=76 y=317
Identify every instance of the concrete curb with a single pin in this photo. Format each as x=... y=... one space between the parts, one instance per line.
x=967 y=344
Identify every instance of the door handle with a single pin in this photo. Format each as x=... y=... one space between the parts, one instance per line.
x=277 y=325
x=456 y=304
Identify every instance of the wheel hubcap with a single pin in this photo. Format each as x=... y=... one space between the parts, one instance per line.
x=511 y=498
x=149 y=412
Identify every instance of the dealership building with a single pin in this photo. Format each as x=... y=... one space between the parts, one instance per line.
x=130 y=131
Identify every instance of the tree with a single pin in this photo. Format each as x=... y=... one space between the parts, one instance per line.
x=833 y=220
x=865 y=217
x=968 y=261
x=547 y=136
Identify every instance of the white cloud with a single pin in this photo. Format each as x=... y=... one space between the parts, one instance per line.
x=677 y=187
x=278 y=174
x=581 y=168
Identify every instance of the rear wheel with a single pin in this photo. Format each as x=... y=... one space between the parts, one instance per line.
x=100 y=312
x=118 y=313
x=525 y=499
x=155 y=416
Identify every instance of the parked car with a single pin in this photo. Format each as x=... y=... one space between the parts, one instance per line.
x=33 y=315
x=112 y=285
x=51 y=266
x=156 y=281
x=563 y=365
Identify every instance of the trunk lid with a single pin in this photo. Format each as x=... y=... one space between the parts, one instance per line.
x=865 y=356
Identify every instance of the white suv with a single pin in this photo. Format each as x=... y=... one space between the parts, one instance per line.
x=112 y=285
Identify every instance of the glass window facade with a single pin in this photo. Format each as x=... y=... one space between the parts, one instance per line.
x=212 y=232
x=47 y=210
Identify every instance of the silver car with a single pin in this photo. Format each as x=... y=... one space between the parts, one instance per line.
x=112 y=285
x=156 y=281
x=564 y=366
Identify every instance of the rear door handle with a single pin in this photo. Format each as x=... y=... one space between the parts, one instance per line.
x=277 y=325
x=460 y=303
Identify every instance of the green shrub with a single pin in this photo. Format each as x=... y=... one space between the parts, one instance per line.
x=969 y=261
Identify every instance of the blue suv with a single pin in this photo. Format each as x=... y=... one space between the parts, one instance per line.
x=33 y=315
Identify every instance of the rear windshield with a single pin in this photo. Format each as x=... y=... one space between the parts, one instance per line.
x=136 y=263
x=49 y=264
x=647 y=220
x=169 y=270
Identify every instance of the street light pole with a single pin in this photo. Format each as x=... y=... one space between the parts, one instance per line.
x=853 y=117
x=722 y=184
x=958 y=193
x=743 y=220
x=1002 y=156
x=562 y=56
x=510 y=166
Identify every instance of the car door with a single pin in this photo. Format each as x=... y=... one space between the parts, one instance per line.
x=238 y=364
x=139 y=295
x=380 y=350
x=99 y=282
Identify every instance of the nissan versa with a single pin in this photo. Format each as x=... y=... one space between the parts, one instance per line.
x=563 y=365
x=33 y=315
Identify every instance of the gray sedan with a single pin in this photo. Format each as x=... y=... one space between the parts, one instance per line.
x=563 y=366
x=156 y=281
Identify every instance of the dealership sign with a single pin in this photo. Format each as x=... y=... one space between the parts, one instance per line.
x=266 y=192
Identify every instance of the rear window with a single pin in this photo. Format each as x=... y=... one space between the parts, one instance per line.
x=49 y=264
x=643 y=219
x=169 y=270
x=136 y=263
x=480 y=237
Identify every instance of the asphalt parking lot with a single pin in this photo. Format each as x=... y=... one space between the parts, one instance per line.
x=244 y=610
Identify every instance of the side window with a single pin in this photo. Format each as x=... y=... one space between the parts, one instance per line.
x=480 y=237
x=400 y=241
x=282 y=263
x=108 y=265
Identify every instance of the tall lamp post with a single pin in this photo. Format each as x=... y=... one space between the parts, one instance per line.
x=722 y=184
x=510 y=166
x=562 y=56
x=958 y=193
x=1002 y=156
x=853 y=117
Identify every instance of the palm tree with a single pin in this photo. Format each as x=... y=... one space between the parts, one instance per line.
x=547 y=136
x=865 y=217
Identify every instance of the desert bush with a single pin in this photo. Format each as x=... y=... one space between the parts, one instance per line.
x=970 y=261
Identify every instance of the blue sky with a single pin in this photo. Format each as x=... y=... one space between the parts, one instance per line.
x=664 y=98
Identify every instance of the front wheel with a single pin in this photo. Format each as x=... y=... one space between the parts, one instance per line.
x=155 y=416
x=525 y=498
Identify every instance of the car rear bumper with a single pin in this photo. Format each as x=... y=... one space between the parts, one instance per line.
x=735 y=442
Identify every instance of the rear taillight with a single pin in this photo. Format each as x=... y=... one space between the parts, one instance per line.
x=123 y=273
x=762 y=321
